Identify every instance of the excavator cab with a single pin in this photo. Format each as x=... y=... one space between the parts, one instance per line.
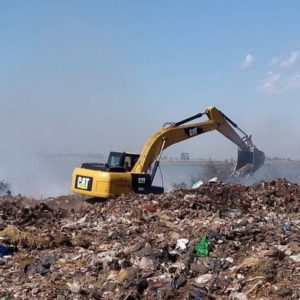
x=122 y=160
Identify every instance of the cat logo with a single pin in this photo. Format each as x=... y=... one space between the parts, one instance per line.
x=83 y=183
x=193 y=131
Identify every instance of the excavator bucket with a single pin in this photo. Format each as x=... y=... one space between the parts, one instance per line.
x=249 y=162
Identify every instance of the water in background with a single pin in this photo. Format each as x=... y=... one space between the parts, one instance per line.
x=50 y=175
x=188 y=172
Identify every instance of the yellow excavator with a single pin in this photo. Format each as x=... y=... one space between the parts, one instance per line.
x=125 y=173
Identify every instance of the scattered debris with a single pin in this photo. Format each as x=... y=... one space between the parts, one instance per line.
x=219 y=241
x=6 y=250
x=197 y=184
x=181 y=244
x=202 y=247
x=215 y=179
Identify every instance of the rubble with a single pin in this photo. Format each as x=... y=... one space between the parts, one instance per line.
x=144 y=246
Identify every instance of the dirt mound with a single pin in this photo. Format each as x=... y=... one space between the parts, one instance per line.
x=143 y=246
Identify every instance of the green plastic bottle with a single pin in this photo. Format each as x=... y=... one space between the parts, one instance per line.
x=202 y=247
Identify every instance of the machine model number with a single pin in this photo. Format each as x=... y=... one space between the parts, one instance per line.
x=83 y=183
x=141 y=180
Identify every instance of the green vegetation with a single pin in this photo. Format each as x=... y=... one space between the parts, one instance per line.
x=220 y=169
x=4 y=188
x=181 y=185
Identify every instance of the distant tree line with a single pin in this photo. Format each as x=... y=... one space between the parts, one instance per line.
x=5 y=188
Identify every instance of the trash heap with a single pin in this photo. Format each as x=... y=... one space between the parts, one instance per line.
x=220 y=241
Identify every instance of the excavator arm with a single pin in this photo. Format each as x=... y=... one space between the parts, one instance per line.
x=249 y=157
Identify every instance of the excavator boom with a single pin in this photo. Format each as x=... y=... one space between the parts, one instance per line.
x=249 y=157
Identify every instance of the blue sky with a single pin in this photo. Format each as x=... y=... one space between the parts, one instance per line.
x=92 y=76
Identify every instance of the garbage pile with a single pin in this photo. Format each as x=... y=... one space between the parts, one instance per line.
x=220 y=241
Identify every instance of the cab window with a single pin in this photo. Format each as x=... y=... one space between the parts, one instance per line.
x=127 y=163
x=115 y=160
